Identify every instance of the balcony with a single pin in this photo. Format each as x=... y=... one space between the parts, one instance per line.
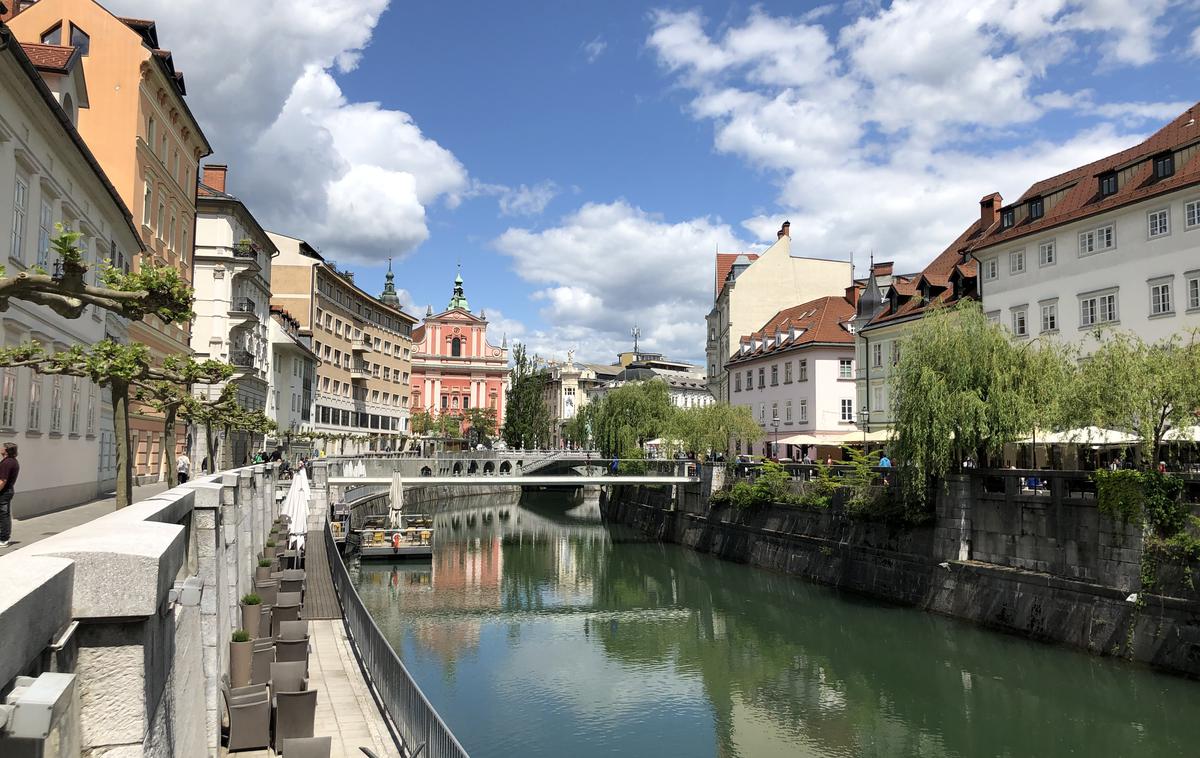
x=359 y=372
x=242 y=309
x=248 y=258
x=360 y=345
x=241 y=359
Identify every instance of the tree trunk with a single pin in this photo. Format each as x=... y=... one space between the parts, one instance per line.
x=169 y=443
x=119 y=389
x=210 y=445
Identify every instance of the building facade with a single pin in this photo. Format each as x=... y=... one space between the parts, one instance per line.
x=796 y=374
x=365 y=347
x=455 y=368
x=293 y=376
x=1114 y=244
x=750 y=288
x=48 y=176
x=567 y=390
x=232 y=282
x=140 y=129
x=687 y=385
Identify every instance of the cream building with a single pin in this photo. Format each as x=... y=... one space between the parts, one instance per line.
x=566 y=392
x=749 y=289
x=1113 y=244
x=293 y=374
x=140 y=129
x=232 y=281
x=364 y=344
x=48 y=176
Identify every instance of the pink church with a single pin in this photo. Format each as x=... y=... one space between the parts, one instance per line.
x=454 y=367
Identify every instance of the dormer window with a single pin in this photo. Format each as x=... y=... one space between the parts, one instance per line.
x=80 y=39
x=1164 y=165
x=1108 y=184
x=53 y=35
x=1007 y=218
x=1037 y=208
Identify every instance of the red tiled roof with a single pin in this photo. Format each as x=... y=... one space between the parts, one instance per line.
x=56 y=58
x=820 y=321
x=1082 y=198
x=724 y=266
x=418 y=334
x=937 y=275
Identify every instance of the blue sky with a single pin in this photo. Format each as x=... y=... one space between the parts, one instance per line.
x=584 y=160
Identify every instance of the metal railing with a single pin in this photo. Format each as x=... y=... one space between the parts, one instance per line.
x=421 y=730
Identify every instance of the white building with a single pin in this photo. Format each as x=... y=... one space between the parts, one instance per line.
x=796 y=374
x=232 y=279
x=1115 y=243
x=686 y=388
x=293 y=373
x=750 y=288
x=48 y=176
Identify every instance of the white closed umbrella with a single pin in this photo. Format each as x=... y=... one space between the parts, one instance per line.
x=295 y=505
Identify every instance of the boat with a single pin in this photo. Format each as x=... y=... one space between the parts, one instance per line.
x=411 y=536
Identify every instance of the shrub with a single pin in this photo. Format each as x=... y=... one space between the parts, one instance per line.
x=240 y=635
x=264 y=562
x=251 y=599
x=270 y=543
x=1119 y=494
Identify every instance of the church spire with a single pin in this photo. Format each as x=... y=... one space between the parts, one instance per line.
x=458 y=300
x=389 y=295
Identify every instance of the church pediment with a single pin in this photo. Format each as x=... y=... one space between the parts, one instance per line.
x=456 y=315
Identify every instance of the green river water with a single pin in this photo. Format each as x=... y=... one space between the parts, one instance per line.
x=538 y=631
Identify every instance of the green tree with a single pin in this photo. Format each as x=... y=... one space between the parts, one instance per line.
x=209 y=415
x=711 y=429
x=526 y=417
x=1147 y=389
x=625 y=418
x=481 y=424
x=963 y=388
x=169 y=395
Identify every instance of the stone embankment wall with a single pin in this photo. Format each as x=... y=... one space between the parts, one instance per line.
x=1048 y=568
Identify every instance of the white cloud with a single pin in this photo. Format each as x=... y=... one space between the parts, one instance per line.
x=593 y=49
x=1196 y=42
x=353 y=178
x=609 y=266
x=527 y=201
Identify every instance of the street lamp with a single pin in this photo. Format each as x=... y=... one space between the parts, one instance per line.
x=775 y=426
x=864 y=417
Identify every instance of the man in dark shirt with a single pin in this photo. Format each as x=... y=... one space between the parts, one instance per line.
x=9 y=469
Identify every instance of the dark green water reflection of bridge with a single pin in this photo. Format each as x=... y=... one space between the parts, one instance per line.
x=539 y=631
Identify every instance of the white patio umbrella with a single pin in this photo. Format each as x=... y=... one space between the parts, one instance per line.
x=295 y=505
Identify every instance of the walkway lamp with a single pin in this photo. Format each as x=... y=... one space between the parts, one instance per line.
x=775 y=427
x=864 y=418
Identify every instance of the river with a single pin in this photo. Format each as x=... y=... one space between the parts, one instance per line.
x=538 y=631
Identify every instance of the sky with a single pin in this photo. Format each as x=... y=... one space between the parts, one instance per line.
x=583 y=161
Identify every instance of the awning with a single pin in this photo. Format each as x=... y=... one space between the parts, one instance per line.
x=1087 y=435
x=838 y=438
x=1183 y=434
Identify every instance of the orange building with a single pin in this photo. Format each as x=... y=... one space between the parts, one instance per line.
x=140 y=129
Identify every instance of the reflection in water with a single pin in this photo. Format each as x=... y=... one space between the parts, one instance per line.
x=538 y=631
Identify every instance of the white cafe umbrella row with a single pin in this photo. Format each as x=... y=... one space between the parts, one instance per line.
x=295 y=506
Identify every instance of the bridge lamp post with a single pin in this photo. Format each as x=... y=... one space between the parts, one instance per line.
x=864 y=419
x=775 y=427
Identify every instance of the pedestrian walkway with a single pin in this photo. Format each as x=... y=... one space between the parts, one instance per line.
x=29 y=530
x=320 y=599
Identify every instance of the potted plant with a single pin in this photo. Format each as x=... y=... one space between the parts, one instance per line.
x=251 y=614
x=241 y=652
x=263 y=573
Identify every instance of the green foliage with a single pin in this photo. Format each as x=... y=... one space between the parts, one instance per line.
x=818 y=492
x=624 y=419
x=270 y=543
x=632 y=463
x=481 y=424
x=772 y=484
x=163 y=290
x=240 y=635
x=1144 y=496
x=1119 y=494
x=527 y=419
x=964 y=388
x=251 y=599
x=264 y=562
x=710 y=429
x=864 y=492
x=65 y=244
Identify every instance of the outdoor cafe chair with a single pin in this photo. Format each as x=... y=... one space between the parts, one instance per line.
x=293 y=630
x=249 y=720
x=260 y=664
x=281 y=614
x=294 y=714
x=290 y=651
x=305 y=747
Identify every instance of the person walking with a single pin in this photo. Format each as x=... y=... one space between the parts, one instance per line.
x=885 y=462
x=183 y=468
x=9 y=469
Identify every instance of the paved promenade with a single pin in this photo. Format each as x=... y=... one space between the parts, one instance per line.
x=30 y=530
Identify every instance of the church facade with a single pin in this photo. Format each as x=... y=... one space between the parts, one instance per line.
x=454 y=367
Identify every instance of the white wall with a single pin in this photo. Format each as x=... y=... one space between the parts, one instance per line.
x=820 y=394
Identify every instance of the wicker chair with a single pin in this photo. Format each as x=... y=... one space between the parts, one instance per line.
x=260 y=664
x=294 y=714
x=281 y=614
x=293 y=630
x=292 y=651
x=249 y=719
x=305 y=747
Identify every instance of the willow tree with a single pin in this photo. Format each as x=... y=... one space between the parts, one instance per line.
x=171 y=394
x=1144 y=388
x=527 y=418
x=711 y=429
x=625 y=418
x=964 y=388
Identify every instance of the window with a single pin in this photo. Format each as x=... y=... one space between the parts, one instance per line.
x=46 y=223
x=787 y=412
x=1016 y=262
x=1046 y=254
x=56 y=403
x=1193 y=290
x=80 y=39
x=878 y=399
x=1019 y=326
x=20 y=209
x=1037 y=208
x=35 y=402
x=162 y=217
x=147 y=202
x=877 y=355
x=787 y=372
x=456 y=348
x=845 y=368
x=1108 y=184
x=1160 y=298
x=775 y=375
x=53 y=35
x=774 y=412
x=1049 y=317
x=1191 y=214
x=762 y=411
x=163 y=152
x=1097 y=309
x=1159 y=222
x=1096 y=240
x=847 y=409
x=803 y=412
x=1007 y=218
x=991 y=269
x=171 y=234
x=1164 y=165
x=151 y=132
x=8 y=399
x=896 y=353
x=762 y=377
x=802 y=369
x=91 y=409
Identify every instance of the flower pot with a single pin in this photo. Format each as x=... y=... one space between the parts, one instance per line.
x=262 y=573
x=240 y=656
x=251 y=615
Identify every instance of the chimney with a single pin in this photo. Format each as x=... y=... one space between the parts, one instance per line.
x=852 y=295
x=784 y=231
x=989 y=209
x=214 y=176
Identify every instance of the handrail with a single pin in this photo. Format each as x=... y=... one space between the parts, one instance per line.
x=420 y=728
